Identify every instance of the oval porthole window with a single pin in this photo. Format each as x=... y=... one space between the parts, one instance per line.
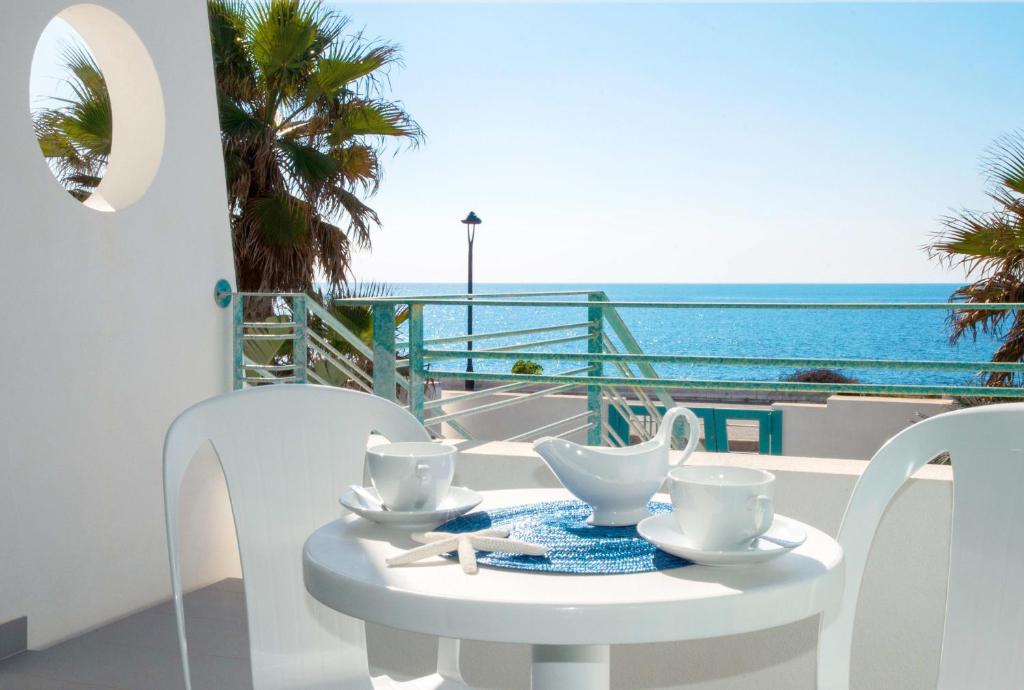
x=97 y=107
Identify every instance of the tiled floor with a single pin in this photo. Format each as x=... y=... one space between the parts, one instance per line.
x=141 y=652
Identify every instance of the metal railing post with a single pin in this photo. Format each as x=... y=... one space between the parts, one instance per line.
x=238 y=344
x=384 y=351
x=595 y=345
x=775 y=419
x=299 y=352
x=417 y=374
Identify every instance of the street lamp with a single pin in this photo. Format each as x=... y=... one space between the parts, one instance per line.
x=471 y=221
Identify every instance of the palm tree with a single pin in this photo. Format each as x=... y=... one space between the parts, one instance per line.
x=303 y=123
x=75 y=132
x=990 y=246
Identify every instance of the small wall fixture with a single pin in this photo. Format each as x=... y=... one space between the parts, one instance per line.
x=222 y=293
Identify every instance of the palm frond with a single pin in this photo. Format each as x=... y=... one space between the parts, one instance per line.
x=277 y=219
x=375 y=119
x=989 y=246
x=76 y=133
x=1003 y=162
x=307 y=164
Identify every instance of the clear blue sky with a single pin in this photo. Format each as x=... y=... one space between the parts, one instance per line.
x=685 y=143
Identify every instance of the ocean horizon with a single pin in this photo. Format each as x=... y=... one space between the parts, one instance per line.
x=838 y=334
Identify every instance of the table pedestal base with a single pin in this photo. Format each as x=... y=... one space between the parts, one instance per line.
x=570 y=667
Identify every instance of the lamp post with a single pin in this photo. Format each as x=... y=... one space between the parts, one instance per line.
x=471 y=221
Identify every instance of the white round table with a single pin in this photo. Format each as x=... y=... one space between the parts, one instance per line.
x=568 y=619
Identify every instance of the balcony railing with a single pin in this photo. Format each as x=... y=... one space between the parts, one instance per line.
x=593 y=353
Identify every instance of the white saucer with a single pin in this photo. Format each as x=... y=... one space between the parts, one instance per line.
x=783 y=536
x=459 y=500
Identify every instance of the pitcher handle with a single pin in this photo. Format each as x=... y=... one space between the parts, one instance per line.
x=693 y=426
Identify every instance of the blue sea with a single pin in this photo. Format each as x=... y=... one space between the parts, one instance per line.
x=853 y=334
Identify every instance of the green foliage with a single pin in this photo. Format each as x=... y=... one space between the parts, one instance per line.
x=819 y=376
x=525 y=366
x=75 y=133
x=989 y=246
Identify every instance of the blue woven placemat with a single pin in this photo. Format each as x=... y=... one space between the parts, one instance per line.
x=573 y=545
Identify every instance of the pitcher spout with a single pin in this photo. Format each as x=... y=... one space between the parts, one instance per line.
x=558 y=454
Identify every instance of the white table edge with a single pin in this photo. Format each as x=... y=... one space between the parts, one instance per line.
x=578 y=624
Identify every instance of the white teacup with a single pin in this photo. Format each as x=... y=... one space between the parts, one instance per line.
x=720 y=507
x=413 y=475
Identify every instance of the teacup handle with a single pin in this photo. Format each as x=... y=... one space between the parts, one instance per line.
x=423 y=475
x=763 y=513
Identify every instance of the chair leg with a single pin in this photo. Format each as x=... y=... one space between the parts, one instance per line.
x=448 y=659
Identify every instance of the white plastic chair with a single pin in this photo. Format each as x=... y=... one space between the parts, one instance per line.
x=983 y=637
x=288 y=452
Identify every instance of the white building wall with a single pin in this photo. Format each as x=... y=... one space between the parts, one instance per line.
x=111 y=330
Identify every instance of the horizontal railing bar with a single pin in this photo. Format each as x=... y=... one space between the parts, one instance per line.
x=405 y=299
x=948 y=306
x=484 y=392
x=268 y=336
x=535 y=343
x=499 y=404
x=266 y=375
x=546 y=427
x=582 y=427
x=270 y=367
x=275 y=379
x=704 y=384
x=270 y=295
x=269 y=324
x=494 y=335
x=929 y=365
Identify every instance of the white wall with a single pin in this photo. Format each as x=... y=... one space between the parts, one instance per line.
x=111 y=331
x=851 y=427
x=899 y=625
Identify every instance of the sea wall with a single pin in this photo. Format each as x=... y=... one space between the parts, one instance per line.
x=851 y=427
x=842 y=426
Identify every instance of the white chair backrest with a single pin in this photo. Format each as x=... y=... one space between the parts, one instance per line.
x=983 y=638
x=288 y=452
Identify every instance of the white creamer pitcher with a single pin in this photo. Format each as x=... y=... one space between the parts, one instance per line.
x=618 y=483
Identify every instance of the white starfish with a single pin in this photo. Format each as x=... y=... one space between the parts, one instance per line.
x=466 y=545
